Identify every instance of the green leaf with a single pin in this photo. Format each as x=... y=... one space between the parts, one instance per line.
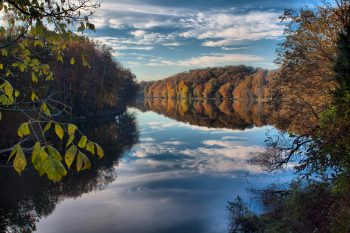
x=23 y=129
x=59 y=131
x=90 y=146
x=0 y=116
x=47 y=126
x=38 y=156
x=70 y=155
x=53 y=168
x=100 y=152
x=82 y=142
x=20 y=162
x=72 y=61
x=71 y=129
x=83 y=162
x=4 y=52
x=54 y=153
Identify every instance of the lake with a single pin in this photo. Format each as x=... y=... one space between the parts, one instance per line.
x=169 y=167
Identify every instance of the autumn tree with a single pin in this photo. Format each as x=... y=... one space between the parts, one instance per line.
x=305 y=79
x=316 y=58
x=198 y=90
x=206 y=83
x=226 y=90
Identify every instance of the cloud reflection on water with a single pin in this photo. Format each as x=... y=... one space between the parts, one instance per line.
x=177 y=179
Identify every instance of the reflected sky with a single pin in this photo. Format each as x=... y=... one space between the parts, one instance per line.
x=177 y=179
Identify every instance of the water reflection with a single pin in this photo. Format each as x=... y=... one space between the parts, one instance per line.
x=209 y=113
x=25 y=199
x=174 y=175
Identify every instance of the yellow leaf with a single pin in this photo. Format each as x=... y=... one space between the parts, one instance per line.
x=70 y=140
x=90 y=146
x=36 y=151
x=33 y=96
x=59 y=131
x=70 y=155
x=1 y=66
x=0 y=116
x=72 y=61
x=71 y=129
x=45 y=109
x=82 y=142
x=34 y=78
x=23 y=129
x=100 y=152
x=13 y=152
x=47 y=126
x=20 y=162
x=83 y=162
x=8 y=88
x=16 y=93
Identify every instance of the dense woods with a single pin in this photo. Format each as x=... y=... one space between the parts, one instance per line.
x=87 y=80
x=231 y=82
x=102 y=85
x=47 y=72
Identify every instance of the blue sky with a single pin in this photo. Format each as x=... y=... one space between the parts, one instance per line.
x=158 y=38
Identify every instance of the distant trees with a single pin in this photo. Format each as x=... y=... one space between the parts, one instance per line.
x=237 y=82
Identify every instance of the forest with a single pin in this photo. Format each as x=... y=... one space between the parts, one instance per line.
x=86 y=78
x=50 y=78
x=231 y=82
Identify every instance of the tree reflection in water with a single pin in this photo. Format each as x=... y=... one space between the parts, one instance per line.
x=212 y=113
x=27 y=198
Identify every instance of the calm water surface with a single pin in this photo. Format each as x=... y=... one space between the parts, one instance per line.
x=169 y=176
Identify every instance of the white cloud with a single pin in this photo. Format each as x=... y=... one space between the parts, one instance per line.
x=147 y=139
x=232 y=138
x=172 y=44
x=139 y=40
x=210 y=60
x=217 y=27
x=173 y=143
x=223 y=29
x=233 y=48
x=138 y=33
